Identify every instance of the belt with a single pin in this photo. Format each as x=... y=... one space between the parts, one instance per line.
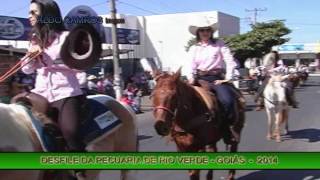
x=213 y=72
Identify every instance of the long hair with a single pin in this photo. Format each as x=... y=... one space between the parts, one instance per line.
x=44 y=32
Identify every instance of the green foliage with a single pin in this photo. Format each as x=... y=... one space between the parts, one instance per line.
x=259 y=40
x=191 y=42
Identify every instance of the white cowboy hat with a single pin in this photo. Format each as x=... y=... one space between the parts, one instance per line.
x=203 y=23
x=91 y=77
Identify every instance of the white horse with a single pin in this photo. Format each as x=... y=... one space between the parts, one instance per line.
x=18 y=135
x=276 y=106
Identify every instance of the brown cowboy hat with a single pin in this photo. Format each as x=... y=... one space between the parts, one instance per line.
x=82 y=47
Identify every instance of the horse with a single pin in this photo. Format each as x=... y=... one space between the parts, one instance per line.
x=18 y=135
x=276 y=105
x=190 y=117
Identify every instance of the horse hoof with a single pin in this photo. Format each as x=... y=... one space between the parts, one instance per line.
x=278 y=140
x=269 y=137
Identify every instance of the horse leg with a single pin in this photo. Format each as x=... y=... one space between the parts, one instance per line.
x=232 y=172
x=194 y=174
x=279 y=116
x=270 y=122
x=211 y=148
x=105 y=145
x=286 y=120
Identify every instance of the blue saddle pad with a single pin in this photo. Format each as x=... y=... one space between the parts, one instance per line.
x=46 y=140
x=99 y=122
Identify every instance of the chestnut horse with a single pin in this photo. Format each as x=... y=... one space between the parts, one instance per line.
x=182 y=113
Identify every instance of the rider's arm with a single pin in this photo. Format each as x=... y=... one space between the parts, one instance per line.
x=229 y=60
x=190 y=66
x=33 y=64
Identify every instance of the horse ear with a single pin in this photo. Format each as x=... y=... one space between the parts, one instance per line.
x=156 y=73
x=177 y=75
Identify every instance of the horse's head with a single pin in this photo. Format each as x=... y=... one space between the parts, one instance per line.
x=165 y=101
x=278 y=86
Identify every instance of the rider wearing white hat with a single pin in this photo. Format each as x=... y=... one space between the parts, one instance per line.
x=209 y=59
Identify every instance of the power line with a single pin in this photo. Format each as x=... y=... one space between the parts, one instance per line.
x=142 y=9
x=101 y=3
x=255 y=13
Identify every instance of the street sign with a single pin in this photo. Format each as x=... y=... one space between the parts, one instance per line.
x=14 y=28
x=125 y=36
x=117 y=21
x=291 y=47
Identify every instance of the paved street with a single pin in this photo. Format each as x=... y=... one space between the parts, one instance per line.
x=304 y=124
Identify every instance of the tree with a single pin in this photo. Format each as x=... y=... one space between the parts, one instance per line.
x=259 y=41
x=256 y=42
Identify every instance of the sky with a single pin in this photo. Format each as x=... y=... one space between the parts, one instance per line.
x=301 y=17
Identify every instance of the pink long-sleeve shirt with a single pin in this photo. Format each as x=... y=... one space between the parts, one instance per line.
x=210 y=56
x=54 y=81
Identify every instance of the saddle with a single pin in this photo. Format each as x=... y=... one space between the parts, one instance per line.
x=97 y=120
x=46 y=115
x=209 y=98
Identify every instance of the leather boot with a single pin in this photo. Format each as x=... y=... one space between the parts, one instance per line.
x=55 y=133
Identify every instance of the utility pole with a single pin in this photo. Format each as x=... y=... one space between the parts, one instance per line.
x=116 y=68
x=255 y=13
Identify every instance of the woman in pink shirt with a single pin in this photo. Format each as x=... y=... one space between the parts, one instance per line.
x=212 y=61
x=55 y=81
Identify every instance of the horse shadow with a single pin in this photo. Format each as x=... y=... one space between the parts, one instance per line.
x=310 y=85
x=312 y=135
x=250 y=107
x=282 y=175
x=144 y=137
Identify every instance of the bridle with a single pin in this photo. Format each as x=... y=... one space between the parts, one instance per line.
x=164 y=108
x=168 y=110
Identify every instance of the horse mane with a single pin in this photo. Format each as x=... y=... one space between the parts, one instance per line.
x=189 y=100
x=15 y=134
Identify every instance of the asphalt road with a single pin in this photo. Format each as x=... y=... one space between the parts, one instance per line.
x=304 y=125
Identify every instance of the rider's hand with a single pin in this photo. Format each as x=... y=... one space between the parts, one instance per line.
x=191 y=81
x=34 y=49
x=218 y=82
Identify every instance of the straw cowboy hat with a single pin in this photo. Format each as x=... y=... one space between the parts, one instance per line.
x=203 y=23
x=91 y=77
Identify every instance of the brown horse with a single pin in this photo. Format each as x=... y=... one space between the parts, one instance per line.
x=182 y=113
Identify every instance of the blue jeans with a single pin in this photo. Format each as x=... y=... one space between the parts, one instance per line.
x=225 y=95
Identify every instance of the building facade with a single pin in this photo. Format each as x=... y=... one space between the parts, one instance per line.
x=159 y=37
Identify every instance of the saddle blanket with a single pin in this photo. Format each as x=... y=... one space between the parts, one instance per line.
x=99 y=122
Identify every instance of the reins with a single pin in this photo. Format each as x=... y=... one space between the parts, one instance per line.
x=23 y=62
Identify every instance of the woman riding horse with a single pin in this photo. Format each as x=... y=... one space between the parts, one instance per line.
x=272 y=64
x=208 y=59
x=55 y=82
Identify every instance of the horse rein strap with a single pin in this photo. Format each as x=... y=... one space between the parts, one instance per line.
x=165 y=109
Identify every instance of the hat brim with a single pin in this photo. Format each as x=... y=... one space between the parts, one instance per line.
x=78 y=55
x=193 y=29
